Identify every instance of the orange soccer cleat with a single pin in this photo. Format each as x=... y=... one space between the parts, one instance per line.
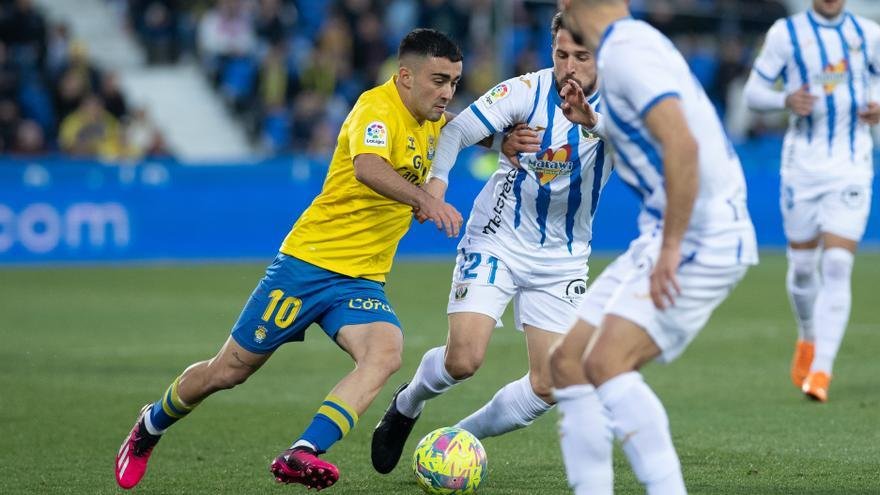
x=816 y=386
x=800 y=363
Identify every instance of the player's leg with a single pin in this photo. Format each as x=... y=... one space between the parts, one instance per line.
x=482 y=286
x=519 y=403
x=800 y=214
x=231 y=366
x=364 y=324
x=638 y=418
x=439 y=370
x=270 y=318
x=585 y=434
x=843 y=216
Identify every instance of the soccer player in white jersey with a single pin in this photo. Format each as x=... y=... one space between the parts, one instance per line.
x=828 y=60
x=527 y=240
x=696 y=242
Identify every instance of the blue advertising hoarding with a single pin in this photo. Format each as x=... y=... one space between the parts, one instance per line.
x=62 y=210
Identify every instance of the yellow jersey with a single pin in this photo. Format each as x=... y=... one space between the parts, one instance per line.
x=349 y=228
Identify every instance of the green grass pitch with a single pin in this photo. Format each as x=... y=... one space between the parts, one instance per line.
x=83 y=348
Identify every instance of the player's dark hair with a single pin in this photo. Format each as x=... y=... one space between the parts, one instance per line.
x=429 y=43
x=556 y=25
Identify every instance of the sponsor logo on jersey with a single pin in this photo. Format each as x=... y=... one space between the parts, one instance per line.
x=260 y=334
x=576 y=289
x=411 y=143
x=376 y=134
x=833 y=75
x=526 y=81
x=461 y=291
x=497 y=93
x=504 y=196
x=369 y=304
x=550 y=164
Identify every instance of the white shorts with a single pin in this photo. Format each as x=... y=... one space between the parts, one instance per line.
x=623 y=289
x=482 y=282
x=839 y=206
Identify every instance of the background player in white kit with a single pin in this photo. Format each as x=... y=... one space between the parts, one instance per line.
x=829 y=61
x=696 y=242
x=527 y=240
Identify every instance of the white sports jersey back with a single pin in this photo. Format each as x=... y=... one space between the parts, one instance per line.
x=542 y=211
x=639 y=67
x=837 y=60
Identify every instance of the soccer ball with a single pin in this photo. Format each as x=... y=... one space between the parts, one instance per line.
x=449 y=461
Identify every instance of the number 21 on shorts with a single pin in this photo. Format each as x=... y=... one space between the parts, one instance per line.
x=472 y=261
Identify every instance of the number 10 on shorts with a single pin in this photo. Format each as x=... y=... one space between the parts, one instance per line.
x=286 y=311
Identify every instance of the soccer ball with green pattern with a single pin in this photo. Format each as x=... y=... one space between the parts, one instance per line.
x=449 y=461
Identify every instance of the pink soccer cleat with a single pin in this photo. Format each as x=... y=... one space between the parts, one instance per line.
x=131 y=460
x=302 y=465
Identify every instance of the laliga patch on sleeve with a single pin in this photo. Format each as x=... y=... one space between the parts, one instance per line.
x=497 y=93
x=376 y=134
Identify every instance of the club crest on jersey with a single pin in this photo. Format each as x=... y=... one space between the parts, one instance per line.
x=550 y=164
x=833 y=75
x=376 y=134
x=461 y=292
x=589 y=135
x=497 y=93
x=260 y=334
x=431 y=148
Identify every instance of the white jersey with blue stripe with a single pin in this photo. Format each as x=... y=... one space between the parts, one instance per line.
x=838 y=60
x=639 y=67
x=542 y=210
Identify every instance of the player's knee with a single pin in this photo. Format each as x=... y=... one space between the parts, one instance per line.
x=228 y=377
x=601 y=369
x=542 y=387
x=461 y=365
x=563 y=361
x=837 y=266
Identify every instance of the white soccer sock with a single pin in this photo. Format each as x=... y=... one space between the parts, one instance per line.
x=832 y=307
x=641 y=425
x=802 y=282
x=513 y=407
x=586 y=440
x=430 y=380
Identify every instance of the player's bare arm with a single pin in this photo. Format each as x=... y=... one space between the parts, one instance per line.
x=377 y=174
x=666 y=122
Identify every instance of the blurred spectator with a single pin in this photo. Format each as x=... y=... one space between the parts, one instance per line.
x=273 y=21
x=91 y=131
x=9 y=75
x=24 y=31
x=156 y=22
x=58 y=49
x=142 y=138
x=9 y=121
x=111 y=94
x=226 y=32
x=29 y=139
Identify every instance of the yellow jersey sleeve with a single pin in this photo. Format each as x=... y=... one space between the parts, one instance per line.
x=349 y=228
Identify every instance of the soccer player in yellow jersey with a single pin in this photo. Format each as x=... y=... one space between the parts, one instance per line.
x=331 y=267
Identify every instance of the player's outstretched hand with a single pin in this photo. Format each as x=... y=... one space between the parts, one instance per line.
x=871 y=115
x=443 y=214
x=801 y=101
x=575 y=107
x=520 y=139
x=664 y=285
